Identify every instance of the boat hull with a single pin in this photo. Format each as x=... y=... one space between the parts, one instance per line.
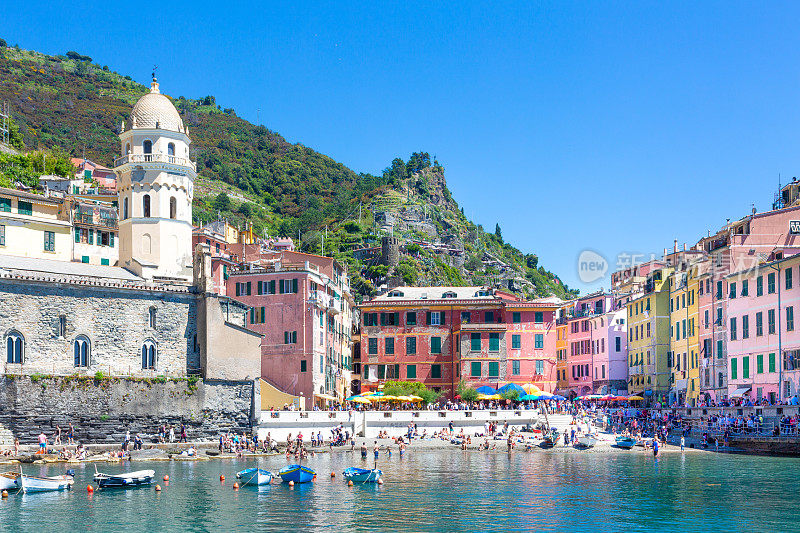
x=626 y=443
x=297 y=473
x=121 y=481
x=586 y=442
x=255 y=476
x=44 y=484
x=362 y=475
x=8 y=480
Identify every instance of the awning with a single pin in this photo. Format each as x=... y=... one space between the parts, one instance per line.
x=741 y=391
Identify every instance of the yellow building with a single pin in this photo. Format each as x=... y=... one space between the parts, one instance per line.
x=648 y=337
x=684 y=346
x=31 y=225
x=561 y=349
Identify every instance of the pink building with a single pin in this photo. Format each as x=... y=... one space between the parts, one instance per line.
x=580 y=334
x=610 y=352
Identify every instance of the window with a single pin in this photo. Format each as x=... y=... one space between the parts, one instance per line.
x=81 y=350
x=734 y=370
x=5 y=205
x=494 y=342
x=733 y=329
x=411 y=371
x=489 y=316
x=49 y=241
x=290 y=337
x=771 y=321
x=515 y=368
x=2 y=235
x=538 y=317
x=538 y=341
x=389 y=350
x=151 y=318
x=770 y=285
x=15 y=348
x=719 y=290
x=788 y=278
x=760 y=363
x=719 y=350
x=759 y=286
x=173 y=207
x=390 y=319
x=772 y=362
x=147 y=147
x=466 y=317
x=24 y=208
x=732 y=291
x=435 y=318
x=494 y=369
x=436 y=345
x=303 y=365
x=146 y=206
x=745 y=367
x=516 y=342
x=539 y=366
x=411 y=318
x=475 y=369
x=475 y=342
x=516 y=317
x=411 y=345
x=618 y=344
x=171 y=150
x=745 y=327
x=436 y=371
x=148 y=355
x=759 y=324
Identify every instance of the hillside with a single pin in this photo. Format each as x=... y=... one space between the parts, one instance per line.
x=69 y=104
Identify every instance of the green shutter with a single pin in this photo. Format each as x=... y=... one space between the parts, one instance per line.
x=294 y=285
x=436 y=345
x=91 y=236
x=77 y=233
x=494 y=369
x=745 y=367
x=475 y=369
x=111 y=239
x=734 y=373
x=516 y=342
x=436 y=371
x=428 y=318
x=475 y=342
x=104 y=262
x=760 y=363
x=411 y=371
x=494 y=342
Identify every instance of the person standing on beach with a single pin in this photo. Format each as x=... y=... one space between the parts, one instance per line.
x=42 y=442
x=364 y=450
x=655 y=446
x=183 y=432
x=683 y=442
x=71 y=434
x=171 y=433
x=376 y=449
x=57 y=437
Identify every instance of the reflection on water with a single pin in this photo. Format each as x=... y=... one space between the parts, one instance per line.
x=448 y=490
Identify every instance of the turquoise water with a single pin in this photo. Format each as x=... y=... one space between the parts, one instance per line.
x=444 y=490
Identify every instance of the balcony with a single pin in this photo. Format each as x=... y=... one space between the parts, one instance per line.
x=92 y=220
x=487 y=326
x=155 y=158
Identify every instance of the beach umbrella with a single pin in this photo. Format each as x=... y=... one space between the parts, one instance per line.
x=415 y=398
x=635 y=398
x=509 y=387
x=530 y=388
x=530 y=397
x=489 y=397
x=559 y=397
x=357 y=399
x=486 y=389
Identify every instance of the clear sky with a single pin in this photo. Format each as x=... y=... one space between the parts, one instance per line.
x=616 y=127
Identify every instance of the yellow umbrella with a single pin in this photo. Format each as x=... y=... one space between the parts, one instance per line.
x=635 y=398
x=530 y=388
x=360 y=400
x=404 y=399
x=415 y=398
x=489 y=397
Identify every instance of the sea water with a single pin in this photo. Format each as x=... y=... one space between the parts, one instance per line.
x=435 y=490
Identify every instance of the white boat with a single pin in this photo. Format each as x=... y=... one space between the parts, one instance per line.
x=587 y=440
x=129 y=479
x=44 y=484
x=8 y=480
x=255 y=476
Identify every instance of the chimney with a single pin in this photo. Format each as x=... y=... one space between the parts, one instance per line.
x=684 y=247
x=675 y=246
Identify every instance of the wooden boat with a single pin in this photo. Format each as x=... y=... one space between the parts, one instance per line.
x=255 y=476
x=626 y=442
x=8 y=480
x=362 y=475
x=129 y=479
x=587 y=440
x=44 y=484
x=550 y=439
x=297 y=473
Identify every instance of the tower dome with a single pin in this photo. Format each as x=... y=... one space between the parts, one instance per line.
x=154 y=110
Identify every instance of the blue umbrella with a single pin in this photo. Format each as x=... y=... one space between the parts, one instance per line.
x=511 y=387
x=486 y=389
x=529 y=397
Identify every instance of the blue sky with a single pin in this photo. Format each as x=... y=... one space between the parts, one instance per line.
x=616 y=127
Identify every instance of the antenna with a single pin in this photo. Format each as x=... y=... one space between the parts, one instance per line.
x=155 y=67
x=5 y=127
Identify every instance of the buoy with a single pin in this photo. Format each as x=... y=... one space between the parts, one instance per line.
x=350 y=483
x=222 y=479
x=235 y=486
x=158 y=488
x=291 y=483
x=333 y=474
x=5 y=494
x=166 y=478
x=315 y=477
x=89 y=489
x=380 y=482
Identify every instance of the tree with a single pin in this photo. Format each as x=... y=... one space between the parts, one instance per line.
x=3 y=43
x=467 y=393
x=531 y=260
x=222 y=202
x=395 y=173
x=14 y=135
x=498 y=233
x=78 y=57
x=245 y=209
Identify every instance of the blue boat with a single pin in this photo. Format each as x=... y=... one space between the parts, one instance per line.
x=362 y=475
x=254 y=476
x=626 y=442
x=297 y=473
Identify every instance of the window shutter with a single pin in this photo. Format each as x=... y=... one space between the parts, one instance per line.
x=441 y=317
x=111 y=239
x=91 y=236
x=294 y=285
x=77 y=235
x=428 y=318
x=383 y=319
x=294 y=337
x=397 y=319
x=285 y=337
x=263 y=315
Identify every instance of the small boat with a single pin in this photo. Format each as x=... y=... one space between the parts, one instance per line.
x=297 y=473
x=362 y=475
x=8 y=480
x=550 y=439
x=129 y=479
x=255 y=476
x=44 y=484
x=587 y=440
x=626 y=442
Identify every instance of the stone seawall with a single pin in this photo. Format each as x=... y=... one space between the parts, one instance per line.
x=102 y=410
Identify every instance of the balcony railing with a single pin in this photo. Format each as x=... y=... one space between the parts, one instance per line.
x=155 y=158
x=85 y=218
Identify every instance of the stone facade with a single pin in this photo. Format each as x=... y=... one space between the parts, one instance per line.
x=103 y=410
x=115 y=321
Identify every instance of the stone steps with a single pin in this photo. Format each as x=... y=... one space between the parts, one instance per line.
x=6 y=437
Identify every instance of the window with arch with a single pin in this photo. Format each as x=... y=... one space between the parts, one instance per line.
x=146 y=206
x=81 y=349
x=128 y=148
x=147 y=147
x=15 y=347
x=151 y=318
x=173 y=207
x=125 y=209
x=149 y=353
x=171 y=152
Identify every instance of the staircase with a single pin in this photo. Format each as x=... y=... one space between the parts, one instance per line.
x=6 y=437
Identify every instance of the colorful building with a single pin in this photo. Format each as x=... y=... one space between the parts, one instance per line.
x=684 y=351
x=34 y=226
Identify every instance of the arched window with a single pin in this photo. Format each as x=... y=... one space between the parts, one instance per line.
x=171 y=152
x=148 y=355
x=15 y=347
x=125 y=209
x=82 y=350
x=173 y=207
x=147 y=146
x=151 y=318
x=128 y=148
x=146 y=206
